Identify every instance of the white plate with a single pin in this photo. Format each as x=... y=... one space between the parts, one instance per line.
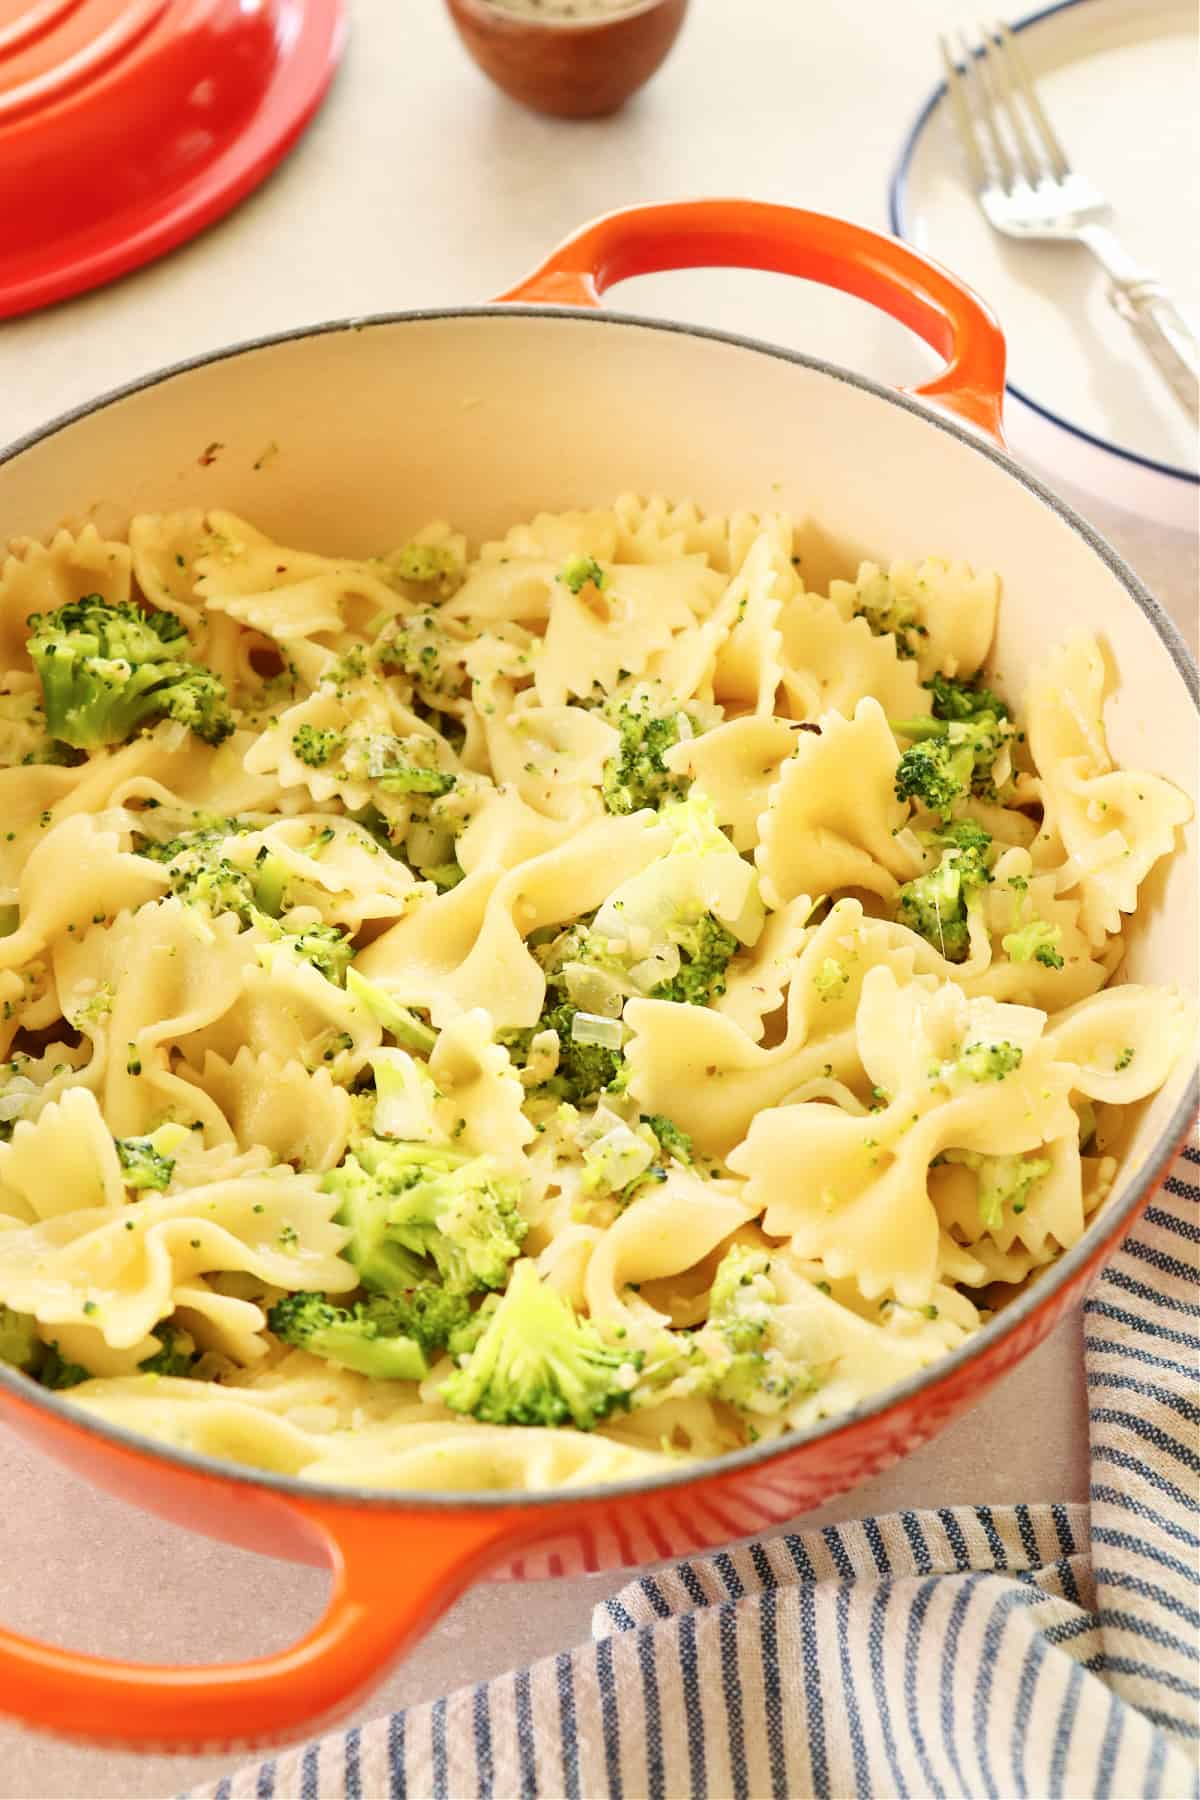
x=1118 y=81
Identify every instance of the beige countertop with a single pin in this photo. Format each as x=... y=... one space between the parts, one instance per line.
x=419 y=185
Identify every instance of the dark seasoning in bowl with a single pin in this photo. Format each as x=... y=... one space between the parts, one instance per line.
x=571 y=58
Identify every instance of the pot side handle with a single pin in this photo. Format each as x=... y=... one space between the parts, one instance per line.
x=391 y=1579
x=751 y=234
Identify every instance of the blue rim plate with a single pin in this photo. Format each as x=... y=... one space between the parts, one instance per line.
x=898 y=196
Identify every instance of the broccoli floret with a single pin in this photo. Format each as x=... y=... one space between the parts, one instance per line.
x=989 y=1062
x=583 y=1070
x=269 y=877
x=108 y=670
x=963 y=699
x=408 y=1030
x=937 y=904
x=536 y=1363
x=20 y=1345
x=1001 y=1181
x=55 y=1372
x=618 y=1158
x=444 y=876
x=831 y=979
x=577 y=571
x=637 y=776
x=142 y=1165
x=425 y=562
x=1035 y=942
x=431 y=1315
x=316 y=746
x=1006 y=1181
x=200 y=873
x=672 y=1140
x=408 y=1206
x=752 y=1371
x=705 y=947
x=365 y=1337
x=949 y=759
x=177 y=1355
x=886 y=611
x=324 y=946
x=400 y=765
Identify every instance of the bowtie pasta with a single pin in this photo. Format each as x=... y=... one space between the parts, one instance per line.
x=521 y=1019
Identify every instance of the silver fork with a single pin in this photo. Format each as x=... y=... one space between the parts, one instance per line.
x=1028 y=189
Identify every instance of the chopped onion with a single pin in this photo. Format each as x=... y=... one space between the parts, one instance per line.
x=594 y=990
x=590 y=1028
x=662 y=965
x=428 y=847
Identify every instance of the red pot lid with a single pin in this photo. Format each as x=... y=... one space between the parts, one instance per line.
x=128 y=125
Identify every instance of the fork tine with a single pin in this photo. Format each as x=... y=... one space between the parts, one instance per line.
x=1036 y=164
x=1016 y=64
x=961 y=105
x=978 y=73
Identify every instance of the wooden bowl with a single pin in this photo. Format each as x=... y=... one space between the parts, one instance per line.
x=573 y=68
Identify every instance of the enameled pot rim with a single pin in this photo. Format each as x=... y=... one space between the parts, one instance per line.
x=1044 y=1285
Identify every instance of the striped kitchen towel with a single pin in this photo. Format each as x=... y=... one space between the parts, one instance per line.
x=1042 y=1649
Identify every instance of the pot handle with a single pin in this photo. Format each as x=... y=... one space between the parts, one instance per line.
x=751 y=234
x=390 y=1580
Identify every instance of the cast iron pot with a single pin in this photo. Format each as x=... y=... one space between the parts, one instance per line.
x=486 y=415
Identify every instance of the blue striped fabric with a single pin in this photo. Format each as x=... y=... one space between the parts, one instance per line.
x=1027 y=1650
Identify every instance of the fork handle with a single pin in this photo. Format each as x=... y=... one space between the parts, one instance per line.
x=1166 y=334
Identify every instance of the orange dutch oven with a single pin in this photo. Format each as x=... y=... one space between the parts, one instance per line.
x=486 y=414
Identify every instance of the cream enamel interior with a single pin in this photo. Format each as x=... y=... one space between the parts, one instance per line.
x=346 y=440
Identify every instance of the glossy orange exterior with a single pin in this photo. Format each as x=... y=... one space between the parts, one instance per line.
x=745 y=234
x=398 y=1560
x=126 y=126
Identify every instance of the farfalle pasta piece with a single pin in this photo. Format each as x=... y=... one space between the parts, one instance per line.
x=63 y=1160
x=829 y=662
x=84 y=1266
x=1019 y=897
x=833 y=820
x=747 y=669
x=288 y=1009
x=707 y=1074
x=286 y=594
x=735 y=764
x=664 y=1230
x=356 y=724
x=755 y=980
x=293 y=1112
x=866 y=1210
x=76 y=872
x=1124 y=1041
x=1047 y=1216
x=334 y=865
x=852 y=1352
x=657 y=530
x=598 y=642
x=427 y=961
x=480 y=1093
x=1114 y=824
x=165 y=548
x=942 y=614
x=554 y=537
x=551 y=755
x=148 y=983
x=42 y=577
